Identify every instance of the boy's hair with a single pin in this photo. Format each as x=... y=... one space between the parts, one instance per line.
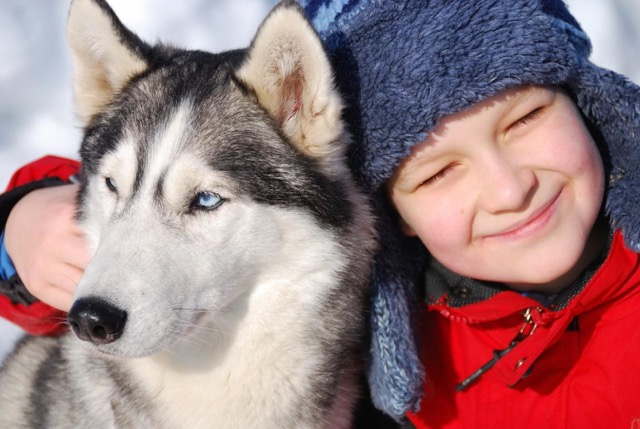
x=402 y=66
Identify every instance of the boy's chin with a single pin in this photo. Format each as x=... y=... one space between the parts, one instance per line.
x=544 y=272
x=555 y=277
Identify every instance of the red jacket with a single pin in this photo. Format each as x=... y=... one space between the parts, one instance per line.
x=38 y=318
x=574 y=368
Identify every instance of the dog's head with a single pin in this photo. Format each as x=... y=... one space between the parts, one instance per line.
x=203 y=175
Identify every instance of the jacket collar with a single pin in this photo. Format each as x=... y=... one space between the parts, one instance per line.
x=536 y=326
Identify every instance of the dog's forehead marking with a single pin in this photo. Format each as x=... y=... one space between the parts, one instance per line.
x=169 y=137
x=139 y=164
x=121 y=165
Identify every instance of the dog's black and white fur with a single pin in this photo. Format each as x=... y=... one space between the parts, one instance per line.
x=231 y=247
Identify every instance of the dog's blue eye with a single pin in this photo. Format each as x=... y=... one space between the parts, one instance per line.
x=111 y=184
x=207 y=201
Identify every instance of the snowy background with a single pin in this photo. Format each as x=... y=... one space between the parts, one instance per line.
x=36 y=113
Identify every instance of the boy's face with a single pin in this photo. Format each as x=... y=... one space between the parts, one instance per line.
x=507 y=191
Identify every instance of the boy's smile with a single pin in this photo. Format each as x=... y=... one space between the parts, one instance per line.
x=530 y=225
x=507 y=191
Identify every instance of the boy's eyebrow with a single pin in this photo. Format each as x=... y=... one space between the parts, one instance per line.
x=427 y=153
x=523 y=95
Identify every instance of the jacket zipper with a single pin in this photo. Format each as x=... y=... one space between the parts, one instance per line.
x=528 y=328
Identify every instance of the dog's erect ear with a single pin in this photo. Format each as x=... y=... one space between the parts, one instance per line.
x=289 y=72
x=105 y=55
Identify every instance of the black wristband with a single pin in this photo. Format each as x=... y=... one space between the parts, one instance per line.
x=14 y=289
x=11 y=198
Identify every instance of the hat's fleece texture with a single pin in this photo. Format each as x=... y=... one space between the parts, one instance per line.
x=403 y=65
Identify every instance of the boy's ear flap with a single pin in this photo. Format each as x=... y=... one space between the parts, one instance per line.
x=288 y=69
x=105 y=53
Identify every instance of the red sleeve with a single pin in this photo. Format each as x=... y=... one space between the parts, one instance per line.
x=38 y=318
x=49 y=166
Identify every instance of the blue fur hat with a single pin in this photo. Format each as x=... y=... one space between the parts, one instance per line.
x=403 y=65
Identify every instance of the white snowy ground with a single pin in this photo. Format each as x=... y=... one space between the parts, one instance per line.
x=36 y=114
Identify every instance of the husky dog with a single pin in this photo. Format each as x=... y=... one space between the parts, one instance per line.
x=228 y=286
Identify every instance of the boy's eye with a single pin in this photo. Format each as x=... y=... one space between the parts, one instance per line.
x=531 y=116
x=438 y=176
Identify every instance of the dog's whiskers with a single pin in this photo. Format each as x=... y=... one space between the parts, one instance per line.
x=224 y=311
x=198 y=343
x=189 y=325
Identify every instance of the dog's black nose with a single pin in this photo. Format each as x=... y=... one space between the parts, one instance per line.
x=95 y=320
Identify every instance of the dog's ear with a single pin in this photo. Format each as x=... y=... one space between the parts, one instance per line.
x=105 y=54
x=288 y=69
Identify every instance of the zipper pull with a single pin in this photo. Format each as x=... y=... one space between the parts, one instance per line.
x=526 y=330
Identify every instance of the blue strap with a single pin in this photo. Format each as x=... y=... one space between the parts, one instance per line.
x=7 y=270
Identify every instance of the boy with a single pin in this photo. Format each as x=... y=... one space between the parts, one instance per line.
x=504 y=169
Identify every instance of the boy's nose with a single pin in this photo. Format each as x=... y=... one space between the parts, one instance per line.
x=506 y=186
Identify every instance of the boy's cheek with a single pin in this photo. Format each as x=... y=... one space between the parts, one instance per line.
x=403 y=203
x=441 y=220
x=439 y=232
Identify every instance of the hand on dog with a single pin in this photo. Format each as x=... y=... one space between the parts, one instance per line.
x=46 y=245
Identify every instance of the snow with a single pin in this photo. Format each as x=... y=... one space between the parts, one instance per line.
x=36 y=112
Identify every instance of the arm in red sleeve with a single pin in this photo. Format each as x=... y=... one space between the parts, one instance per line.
x=36 y=318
